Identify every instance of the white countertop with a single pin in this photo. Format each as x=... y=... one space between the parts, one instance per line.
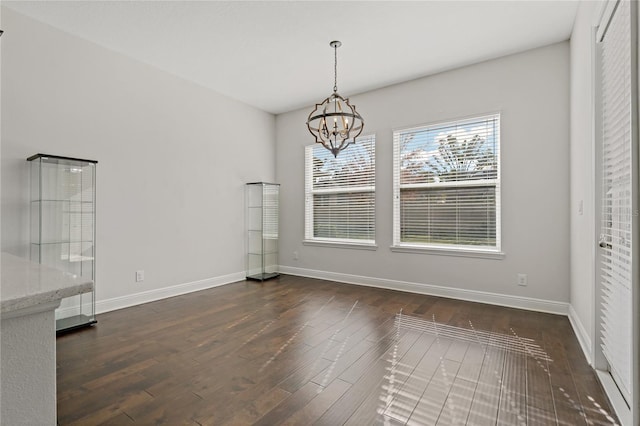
x=25 y=284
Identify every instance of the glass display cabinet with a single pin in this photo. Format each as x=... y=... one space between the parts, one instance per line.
x=262 y=230
x=63 y=214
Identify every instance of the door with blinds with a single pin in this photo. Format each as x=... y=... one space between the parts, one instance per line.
x=618 y=198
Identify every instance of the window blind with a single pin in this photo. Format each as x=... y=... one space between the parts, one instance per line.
x=616 y=260
x=340 y=193
x=447 y=185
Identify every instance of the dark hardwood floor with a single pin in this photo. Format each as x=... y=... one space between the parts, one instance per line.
x=303 y=351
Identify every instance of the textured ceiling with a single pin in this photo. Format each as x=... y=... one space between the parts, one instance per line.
x=276 y=55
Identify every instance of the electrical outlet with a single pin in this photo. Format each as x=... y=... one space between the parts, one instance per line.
x=139 y=276
x=295 y=255
x=522 y=279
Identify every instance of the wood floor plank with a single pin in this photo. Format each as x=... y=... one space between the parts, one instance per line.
x=457 y=350
x=119 y=420
x=174 y=410
x=435 y=376
x=565 y=393
x=428 y=410
x=374 y=408
x=290 y=405
x=472 y=363
x=298 y=378
x=486 y=399
x=319 y=405
x=299 y=350
x=85 y=402
x=108 y=412
x=413 y=389
x=341 y=360
x=458 y=403
x=259 y=407
x=369 y=383
x=380 y=349
x=541 y=408
x=513 y=394
x=246 y=382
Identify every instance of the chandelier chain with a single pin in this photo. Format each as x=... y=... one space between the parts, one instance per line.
x=335 y=68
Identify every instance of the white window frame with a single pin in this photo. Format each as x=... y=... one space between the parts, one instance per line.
x=488 y=252
x=309 y=238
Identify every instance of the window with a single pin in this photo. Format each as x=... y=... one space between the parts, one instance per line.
x=340 y=194
x=447 y=186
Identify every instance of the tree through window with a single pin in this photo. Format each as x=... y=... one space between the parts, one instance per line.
x=447 y=185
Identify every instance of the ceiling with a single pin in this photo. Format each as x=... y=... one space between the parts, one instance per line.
x=275 y=55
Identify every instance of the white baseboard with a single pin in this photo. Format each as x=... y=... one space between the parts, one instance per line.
x=510 y=301
x=581 y=333
x=527 y=303
x=129 y=300
x=615 y=397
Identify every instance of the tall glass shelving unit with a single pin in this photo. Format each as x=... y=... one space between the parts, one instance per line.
x=262 y=230
x=63 y=218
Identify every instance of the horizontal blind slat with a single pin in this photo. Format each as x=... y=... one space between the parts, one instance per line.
x=615 y=268
x=340 y=193
x=446 y=183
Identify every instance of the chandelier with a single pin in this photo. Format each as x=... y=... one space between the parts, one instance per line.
x=335 y=123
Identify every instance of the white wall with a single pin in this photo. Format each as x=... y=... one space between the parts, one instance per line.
x=173 y=157
x=583 y=238
x=531 y=90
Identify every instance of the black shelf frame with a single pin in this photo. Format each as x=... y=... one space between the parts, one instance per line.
x=75 y=322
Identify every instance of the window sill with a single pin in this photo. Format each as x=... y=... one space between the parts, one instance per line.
x=461 y=252
x=341 y=244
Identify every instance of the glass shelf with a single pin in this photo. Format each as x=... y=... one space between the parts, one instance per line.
x=262 y=230
x=63 y=227
x=64 y=242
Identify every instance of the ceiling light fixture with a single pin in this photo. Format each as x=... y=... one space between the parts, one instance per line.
x=335 y=123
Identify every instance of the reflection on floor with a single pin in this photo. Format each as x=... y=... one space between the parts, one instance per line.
x=454 y=375
x=303 y=351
